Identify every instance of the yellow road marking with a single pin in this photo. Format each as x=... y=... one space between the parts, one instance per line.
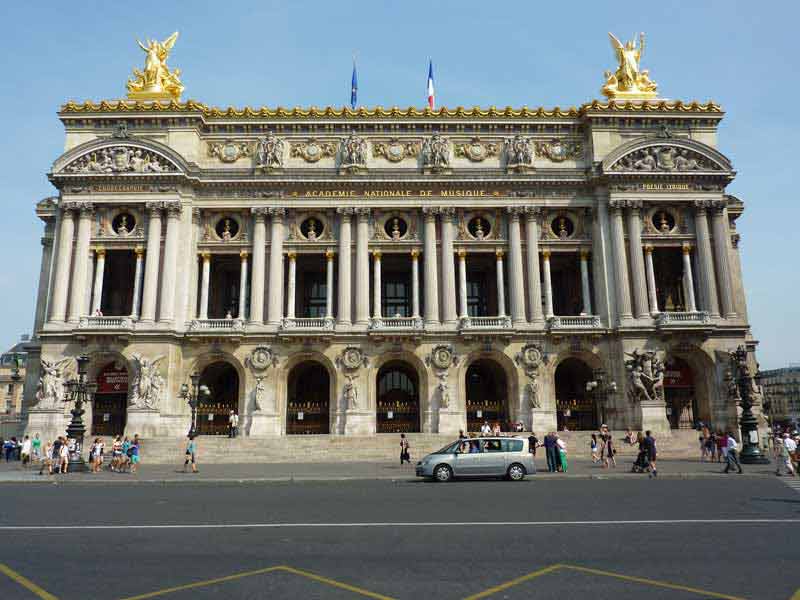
x=198 y=584
x=653 y=582
x=293 y=571
x=338 y=584
x=26 y=583
x=513 y=582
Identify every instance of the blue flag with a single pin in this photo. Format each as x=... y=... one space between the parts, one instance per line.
x=354 y=89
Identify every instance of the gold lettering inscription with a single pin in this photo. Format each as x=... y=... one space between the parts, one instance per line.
x=452 y=193
x=654 y=187
x=120 y=188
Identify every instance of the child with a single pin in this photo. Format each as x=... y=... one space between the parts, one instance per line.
x=595 y=455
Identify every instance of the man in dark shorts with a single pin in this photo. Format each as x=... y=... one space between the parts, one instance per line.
x=650 y=444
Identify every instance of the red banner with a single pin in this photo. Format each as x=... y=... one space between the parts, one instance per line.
x=678 y=376
x=112 y=381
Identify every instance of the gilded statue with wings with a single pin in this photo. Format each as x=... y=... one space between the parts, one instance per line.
x=156 y=82
x=629 y=82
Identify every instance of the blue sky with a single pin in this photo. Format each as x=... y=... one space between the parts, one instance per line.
x=741 y=54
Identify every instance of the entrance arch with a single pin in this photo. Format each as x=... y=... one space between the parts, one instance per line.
x=679 y=393
x=487 y=394
x=575 y=407
x=110 y=402
x=222 y=381
x=308 y=399
x=397 y=404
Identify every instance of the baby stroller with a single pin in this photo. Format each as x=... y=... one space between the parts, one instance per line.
x=642 y=463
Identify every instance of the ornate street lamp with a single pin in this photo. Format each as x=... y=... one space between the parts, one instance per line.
x=601 y=390
x=192 y=397
x=16 y=361
x=740 y=369
x=80 y=391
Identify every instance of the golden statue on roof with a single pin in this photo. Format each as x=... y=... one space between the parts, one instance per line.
x=156 y=82
x=629 y=82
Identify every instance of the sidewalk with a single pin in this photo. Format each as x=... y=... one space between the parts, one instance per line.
x=298 y=472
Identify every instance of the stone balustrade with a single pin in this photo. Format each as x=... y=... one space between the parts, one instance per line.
x=216 y=325
x=316 y=323
x=95 y=322
x=666 y=319
x=574 y=322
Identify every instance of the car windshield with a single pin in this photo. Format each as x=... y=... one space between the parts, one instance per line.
x=449 y=449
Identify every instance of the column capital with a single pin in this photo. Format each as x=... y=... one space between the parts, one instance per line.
x=687 y=248
x=546 y=254
x=259 y=212
x=196 y=214
x=499 y=253
x=276 y=212
x=584 y=253
x=515 y=212
x=376 y=254
x=154 y=207
x=82 y=206
x=100 y=251
x=430 y=212
x=718 y=206
x=139 y=251
x=533 y=213
x=243 y=254
x=618 y=205
x=346 y=212
x=363 y=212
x=173 y=208
x=447 y=213
x=291 y=255
x=415 y=254
x=701 y=206
x=648 y=248
x=634 y=205
x=462 y=253
x=205 y=255
x=330 y=253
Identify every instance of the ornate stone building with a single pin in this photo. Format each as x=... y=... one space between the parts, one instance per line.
x=349 y=272
x=781 y=388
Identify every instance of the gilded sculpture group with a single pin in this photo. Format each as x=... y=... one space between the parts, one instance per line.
x=157 y=81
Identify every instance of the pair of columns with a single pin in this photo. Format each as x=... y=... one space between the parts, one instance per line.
x=586 y=293
x=292 y=284
x=642 y=266
x=205 y=284
x=97 y=260
x=688 y=279
x=462 y=283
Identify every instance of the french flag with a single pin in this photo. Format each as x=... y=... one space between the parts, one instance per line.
x=431 y=95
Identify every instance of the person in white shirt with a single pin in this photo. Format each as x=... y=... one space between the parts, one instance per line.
x=233 y=423
x=732 y=454
x=786 y=448
x=486 y=429
x=25 y=453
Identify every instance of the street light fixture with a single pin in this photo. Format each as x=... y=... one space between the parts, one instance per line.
x=192 y=397
x=740 y=369
x=80 y=391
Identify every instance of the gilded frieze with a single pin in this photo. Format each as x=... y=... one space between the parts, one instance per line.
x=476 y=150
x=395 y=150
x=312 y=150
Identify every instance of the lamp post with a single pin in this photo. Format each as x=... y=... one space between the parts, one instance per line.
x=601 y=390
x=740 y=369
x=192 y=397
x=79 y=391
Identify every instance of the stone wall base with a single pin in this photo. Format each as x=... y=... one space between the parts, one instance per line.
x=542 y=421
x=49 y=424
x=359 y=423
x=654 y=418
x=451 y=422
x=150 y=424
x=263 y=424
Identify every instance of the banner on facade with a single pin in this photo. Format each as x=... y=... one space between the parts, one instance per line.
x=112 y=381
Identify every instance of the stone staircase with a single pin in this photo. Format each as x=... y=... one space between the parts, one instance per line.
x=377 y=448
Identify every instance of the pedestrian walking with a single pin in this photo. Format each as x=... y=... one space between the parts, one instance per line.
x=233 y=424
x=125 y=459
x=731 y=454
x=191 y=455
x=405 y=456
x=133 y=452
x=722 y=447
x=533 y=443
x=609 y=450
x=786 y=447
x=594 y=447
x=25 y=451
x=36 y=448
x=650 y=443
x=562 y=453
x=99 y=447
x=10 y=448
x=63 y=454
x=641 y=464
x=551 y=451
x=47 y=459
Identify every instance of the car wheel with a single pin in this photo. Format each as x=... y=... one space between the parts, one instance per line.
x=442 y=473
x=516 y=472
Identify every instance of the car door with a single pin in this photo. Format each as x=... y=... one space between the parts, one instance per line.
x=493 y=459
x=467 y=464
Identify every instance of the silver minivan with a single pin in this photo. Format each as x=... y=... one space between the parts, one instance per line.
x=479 y=457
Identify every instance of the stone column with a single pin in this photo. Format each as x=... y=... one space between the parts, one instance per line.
x=651 y=279
x=691 y=304
x=259 y=265
x=376 y=285
x=275 y=303
x=152 y=262
x=66 y=233
x=721 y=238
x=362 y=266
x=169 y=277
x=87 y=302
x=204 y=283
x=449 y=313
x=431 y=268
x=345 y=263
x=137 y=283
x=548 y=285
x=516 y=277
x=99 y=272
x=501 y=284
x=620 y=260
x=291 y=286
x=586 y=290
x=532 y=216
x=242 y=284
x=462 y=283
x=77 y=298
x=415 y=283
x=329 y=254
x=709 y=285
x=637 y=258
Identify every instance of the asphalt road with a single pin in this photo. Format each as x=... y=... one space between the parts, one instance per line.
x=618 y=539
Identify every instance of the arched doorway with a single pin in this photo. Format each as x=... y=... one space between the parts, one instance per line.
x=213 y=411
x=679 y=393
x=487 y=394
x=110 y=402
x=575 y=407
x=397 y=398
x=308 y=399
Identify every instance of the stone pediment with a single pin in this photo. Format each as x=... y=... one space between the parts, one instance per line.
x=666 y=155
x=119 y=157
